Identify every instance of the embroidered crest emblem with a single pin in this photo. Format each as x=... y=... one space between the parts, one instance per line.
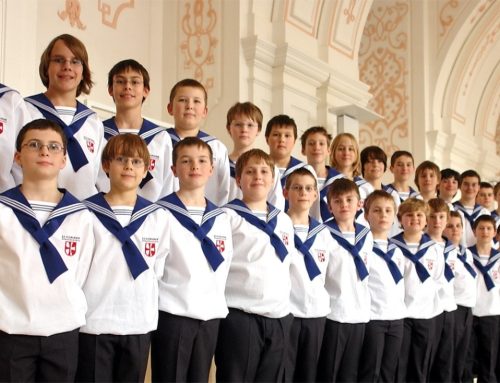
x=430 y=264
x=150 y=249
x=321 y=256
x=70 y=248
x=1 y=126
x=284 y=239
x=152 y=164
x=220 y=245
x=90 y=145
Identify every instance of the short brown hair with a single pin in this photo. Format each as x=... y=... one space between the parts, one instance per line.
x=411 y=205
x=372 y=152
x=484 y=218
x=80 y=52
x=427 y=165
x=188 y=82
x=125 y=65
x=456 y=214
x=377 y=195
x=438 y=205
x=342 y=186
x=356 y=171
x=281 y=120
x=128 y=145
x=253 y=154
x=41 y=124
x=314 y=130
x=247 y=109
x=303 y=171
x=190 y=142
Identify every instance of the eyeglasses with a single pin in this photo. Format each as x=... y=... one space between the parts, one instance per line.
x=300 y=188
x=36 y=146
x=123 y=81
x=59 y=60
x=136 y=162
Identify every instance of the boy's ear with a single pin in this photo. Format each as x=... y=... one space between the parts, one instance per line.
x=110 y=91
x=170 y=109
x=285 y=193
x=174 y=170
x=17 y=158
x=238 y=179
x=105 y=167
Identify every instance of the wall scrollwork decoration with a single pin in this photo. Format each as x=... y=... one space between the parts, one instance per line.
x=72 y=10
x=110 y=18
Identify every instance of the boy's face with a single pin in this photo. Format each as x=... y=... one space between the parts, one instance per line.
x=193 y=167
x=427 y=181
x=485 y=197
x=40 y=163
x=437 y=223
x=345 y=153
x=381 y=215
x=128 y=89
x=345 y=206
x=373 y=169
x=256 y=180
x=125 y=173
x=302 y=192
x=316 y=149
x=281 y=141
x=448 y=188
x=243 y=130
x=453 y=229
x=188 y=108
x=484 y=232
x=413 y=222
x=403 y=168
x=469 y=187
x=65 y=71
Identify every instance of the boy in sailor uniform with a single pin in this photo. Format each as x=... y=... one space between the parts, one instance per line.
x=422 y=278
x=487 y=309
x=188 y=106
x=13 y=116
x=402 y=167
x=443 y=352
x=315 y=143
x=281 y=134
x=373 y=166
x=132 y=239
x=465 y=297
x=384 y=331
x=128 y=84
x=253 y=338
x=347 y=285
x=244 y=123
x=192 y=300
x=486 y=196
x=310 y=302
x=65 y=72
x=427 y=178
x=448 y=186
x=46 y=243
x=467 y=206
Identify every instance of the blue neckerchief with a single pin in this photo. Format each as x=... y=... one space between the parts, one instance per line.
x=469 y=217
x=425 y=243
x=494 y=256
x=389 y=188
x=201 y=135
x=147 y=132
x=4 y=89
x=52 y=260
x=98 y=204
x=267 y=227
x=331 y=176
x=463 y=258
x=232 y=168
x=387 y=257
x=76 y=155
x=314 y=228
x=448 y=247
x=359 y=240
x=173 y=204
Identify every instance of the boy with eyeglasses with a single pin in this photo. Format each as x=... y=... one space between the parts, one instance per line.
x=309 y=300
x=64 y=71
x=13 y=116
x=46 y=242
x=129 y=86
x=132 y=240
